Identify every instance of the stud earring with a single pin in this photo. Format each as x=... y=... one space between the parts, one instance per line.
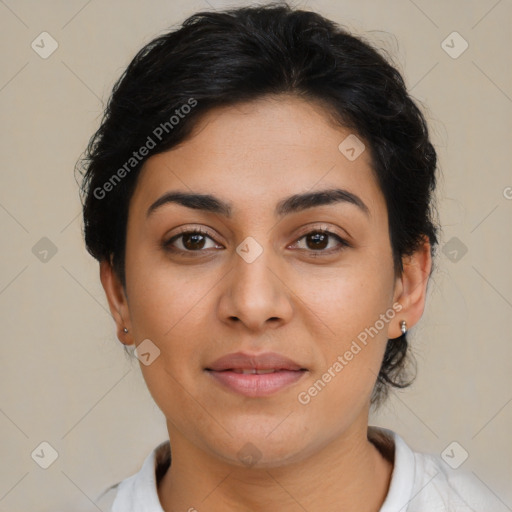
x=125 y=330
x=403 y=326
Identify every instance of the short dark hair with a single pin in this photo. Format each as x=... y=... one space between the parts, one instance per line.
x=237 y=55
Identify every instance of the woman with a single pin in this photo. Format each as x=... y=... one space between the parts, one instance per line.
x=260 y=199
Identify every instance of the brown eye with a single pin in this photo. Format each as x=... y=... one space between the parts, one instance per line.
x=190 y=241
x=193 y=241
x=319 y=240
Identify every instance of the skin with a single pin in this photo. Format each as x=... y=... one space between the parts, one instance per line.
x=203 y=305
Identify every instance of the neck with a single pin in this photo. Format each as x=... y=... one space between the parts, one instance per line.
x=349 y=474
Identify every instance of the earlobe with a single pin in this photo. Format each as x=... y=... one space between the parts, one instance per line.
x=411 y=288
x=117 y=302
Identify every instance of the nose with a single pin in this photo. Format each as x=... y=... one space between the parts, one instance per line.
x=255 y=295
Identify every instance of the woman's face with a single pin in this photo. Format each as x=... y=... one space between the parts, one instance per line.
x=261 y=279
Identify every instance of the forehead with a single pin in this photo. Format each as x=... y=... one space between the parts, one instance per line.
x=253 y=154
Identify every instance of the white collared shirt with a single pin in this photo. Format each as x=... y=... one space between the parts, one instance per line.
x=419 y=483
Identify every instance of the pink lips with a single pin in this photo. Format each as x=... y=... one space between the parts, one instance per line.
x=255 y=375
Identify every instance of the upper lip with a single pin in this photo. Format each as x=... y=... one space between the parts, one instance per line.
x=245 y=361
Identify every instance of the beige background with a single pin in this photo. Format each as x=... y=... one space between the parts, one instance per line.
x=64 y=377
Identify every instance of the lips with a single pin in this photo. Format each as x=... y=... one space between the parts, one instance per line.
x=255 y=375
x=252 y=371
x=243 y=361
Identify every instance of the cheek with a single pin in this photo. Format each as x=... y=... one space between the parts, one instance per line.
x=175 y=319
x=171 y=312
x=345 y=301
x=174 y=311
x=349 y=313
x=163 y=297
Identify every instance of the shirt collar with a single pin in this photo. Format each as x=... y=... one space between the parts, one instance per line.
x=404 y=470
x=139 y=492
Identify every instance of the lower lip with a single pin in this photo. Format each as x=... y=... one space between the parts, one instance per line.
x=254 y=384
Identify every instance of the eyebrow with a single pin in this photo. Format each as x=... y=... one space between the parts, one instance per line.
x=293 y=204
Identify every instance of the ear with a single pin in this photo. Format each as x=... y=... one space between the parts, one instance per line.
x=117 y=301
x=411 y=288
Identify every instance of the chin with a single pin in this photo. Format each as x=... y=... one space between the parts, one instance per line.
x=269 y=443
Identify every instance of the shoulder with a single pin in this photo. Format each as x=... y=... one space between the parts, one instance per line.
x=445 y=489
x=423 y=482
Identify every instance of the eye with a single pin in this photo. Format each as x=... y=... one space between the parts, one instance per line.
x=190 y=241
x=317 y=241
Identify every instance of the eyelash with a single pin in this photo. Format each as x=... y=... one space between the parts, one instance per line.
x=199 y=231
